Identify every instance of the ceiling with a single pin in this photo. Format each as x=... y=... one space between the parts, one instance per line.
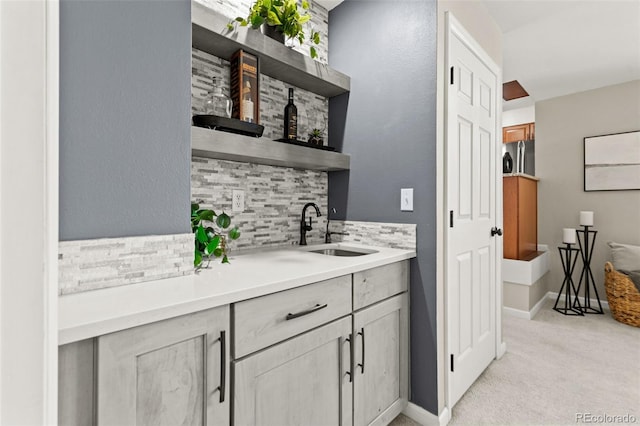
x=555 y=48
x=558 y=47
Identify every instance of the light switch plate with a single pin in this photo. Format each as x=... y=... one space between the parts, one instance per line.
x=237 y=203
x=406 y=199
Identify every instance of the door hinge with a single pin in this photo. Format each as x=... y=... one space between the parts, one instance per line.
x=450 y=218
x=451 y=78
x=452 y=363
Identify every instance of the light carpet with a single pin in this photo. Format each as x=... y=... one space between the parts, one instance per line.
x=556 y=369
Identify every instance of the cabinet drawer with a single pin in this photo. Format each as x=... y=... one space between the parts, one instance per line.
x=266 y=320
x=374 y=285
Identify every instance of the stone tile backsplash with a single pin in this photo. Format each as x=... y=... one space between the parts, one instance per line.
x=393 y=235
x=313 y=110
x=109 y=262
x=274 y=198
x=319 y=22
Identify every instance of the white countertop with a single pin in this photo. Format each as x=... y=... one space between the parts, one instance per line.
x=524 y=175
x=98 y=312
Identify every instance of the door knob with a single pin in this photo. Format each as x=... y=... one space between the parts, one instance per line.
x=495 y=231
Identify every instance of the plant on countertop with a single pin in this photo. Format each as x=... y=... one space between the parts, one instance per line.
x=211 y=235
x=284 y=16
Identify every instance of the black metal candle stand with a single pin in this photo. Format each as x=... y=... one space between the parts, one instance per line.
x=586 y=244
x=568 y=256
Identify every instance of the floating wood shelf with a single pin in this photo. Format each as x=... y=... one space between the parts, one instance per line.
x=210 y=34
x=229 y=146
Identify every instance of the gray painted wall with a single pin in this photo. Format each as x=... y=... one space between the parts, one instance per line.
x=561 y=126
x=388 y=125
x=125 y=113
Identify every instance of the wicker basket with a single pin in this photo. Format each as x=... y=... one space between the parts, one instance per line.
x=623 y=296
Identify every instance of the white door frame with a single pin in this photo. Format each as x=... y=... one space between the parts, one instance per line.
x=452 y=26
x=29 y=93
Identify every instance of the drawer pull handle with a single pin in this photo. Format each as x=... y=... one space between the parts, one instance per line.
x=349 y=339
x=361 y=333
x=291 y=316
x=223 y=363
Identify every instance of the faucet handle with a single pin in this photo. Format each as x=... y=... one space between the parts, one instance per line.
x=308 y=227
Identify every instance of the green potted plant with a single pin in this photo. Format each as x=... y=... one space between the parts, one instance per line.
x=282 y=16
x=212 y=235
x=315 y=137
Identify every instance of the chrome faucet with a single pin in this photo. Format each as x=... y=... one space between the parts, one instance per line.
x=328 y=234
x=304 y=227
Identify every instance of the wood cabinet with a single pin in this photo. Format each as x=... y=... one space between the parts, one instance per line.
x=519 y=132
x=376 y=284
x=353 y=370
x=264 y=321
x=303 y=381
x=333 y=352
x=170 y=372
x=75 y=383
x=381 y=356
x=520 y=217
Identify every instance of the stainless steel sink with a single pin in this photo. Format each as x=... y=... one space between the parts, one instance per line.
x=337 y=252
x=342 y=251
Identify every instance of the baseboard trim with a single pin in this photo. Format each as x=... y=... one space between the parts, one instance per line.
x=594 y=302
x=536 y=308
x=502 y=349
x=424 y=417
x=529 y=315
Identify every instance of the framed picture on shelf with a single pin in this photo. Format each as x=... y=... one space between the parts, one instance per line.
x=612 y=162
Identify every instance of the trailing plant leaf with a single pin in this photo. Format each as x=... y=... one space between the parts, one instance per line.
x=210 y=237
x=223 y=221
x=234 y=233
x=207 y=214
x=212 y=245
x=201 y=235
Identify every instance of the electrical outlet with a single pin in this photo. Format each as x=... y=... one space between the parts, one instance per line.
x=237 y=201
x=406 y=199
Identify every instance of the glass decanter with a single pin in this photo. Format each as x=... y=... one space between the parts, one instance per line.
x=217 y=103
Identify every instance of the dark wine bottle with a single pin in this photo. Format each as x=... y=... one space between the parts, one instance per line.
x=290 y=119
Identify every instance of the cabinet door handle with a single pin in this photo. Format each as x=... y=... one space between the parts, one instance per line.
x=361 y=333
x=223 y=363
x=350 y=339
x=318 y=306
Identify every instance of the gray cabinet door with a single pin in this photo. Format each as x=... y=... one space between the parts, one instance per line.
x=303 y=381
x=172 y=372
x=75 y=384
x=381 y=385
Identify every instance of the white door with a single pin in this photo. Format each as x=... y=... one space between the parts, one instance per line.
x=471 y=127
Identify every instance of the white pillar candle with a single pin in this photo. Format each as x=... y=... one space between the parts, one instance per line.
x=586 y=218
x=569 y=236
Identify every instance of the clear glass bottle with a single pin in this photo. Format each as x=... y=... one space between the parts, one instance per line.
x=217 y=102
